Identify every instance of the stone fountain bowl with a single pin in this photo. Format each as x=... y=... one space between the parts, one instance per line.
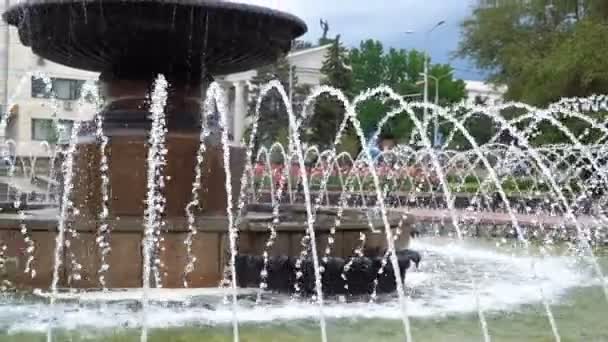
x=127 y=38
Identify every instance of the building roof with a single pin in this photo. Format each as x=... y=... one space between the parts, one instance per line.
x=309 y=50
x=485 y=87
x=249 y=74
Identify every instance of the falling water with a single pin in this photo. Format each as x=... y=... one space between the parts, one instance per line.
x=195 y=200
x=293 y=125
x=483 y=156
x=562 y=106
x=276 y=204
x=103 y=231
x=523 y=140
x=154 y=197
x=449 y=201
x=4 y=283
x=492 y=179
x=89 y=93
x=30 y=246
x=501 y=192
x=348 y=188
x=387 y=228
x=569 y=213
x=232 y=227
x=66 y=205
x=23 y=229
x=247 y=174
x=351 y=116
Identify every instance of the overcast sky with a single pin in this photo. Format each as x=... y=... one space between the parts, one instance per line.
x=387 y=21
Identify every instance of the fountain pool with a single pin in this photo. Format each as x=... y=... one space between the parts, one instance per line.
x=441 y=303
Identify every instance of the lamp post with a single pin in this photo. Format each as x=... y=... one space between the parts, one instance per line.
x=436 y=117
x=426 y=66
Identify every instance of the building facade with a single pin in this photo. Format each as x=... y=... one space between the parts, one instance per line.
x=40 y=99
x=29 y=116
x=306 y=65
x=479 y=92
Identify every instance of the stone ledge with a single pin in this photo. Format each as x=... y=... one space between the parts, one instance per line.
x=203 y=224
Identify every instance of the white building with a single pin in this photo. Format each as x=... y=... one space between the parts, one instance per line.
x=31 y=118
x=307 y=65
x=478 y=91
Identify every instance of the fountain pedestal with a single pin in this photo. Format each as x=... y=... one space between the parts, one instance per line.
x=126 y=126
x=130 y=43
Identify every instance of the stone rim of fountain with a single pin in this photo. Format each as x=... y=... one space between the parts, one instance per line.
x=256 y=219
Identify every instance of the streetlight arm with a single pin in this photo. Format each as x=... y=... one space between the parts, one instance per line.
x=438 y=79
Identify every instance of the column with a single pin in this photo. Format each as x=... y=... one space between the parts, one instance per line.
x=229 y=103
x=240 y=110
x=5 y=43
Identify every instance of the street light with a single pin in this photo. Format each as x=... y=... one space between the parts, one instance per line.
x=436 y=118
x=426 y=68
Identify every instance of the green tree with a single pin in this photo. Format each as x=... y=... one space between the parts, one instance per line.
x=399 y=69
x=541 y=50
x=329 y=111
x=273 y=120
x=481 y=127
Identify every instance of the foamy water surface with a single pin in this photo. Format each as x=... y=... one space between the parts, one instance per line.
x=442 y=286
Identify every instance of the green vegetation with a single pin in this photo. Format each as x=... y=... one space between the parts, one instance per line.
x=274 y=122
x=353 y=72
x=329 y=111
x=542 y=51
x=399 y=69
x=461 y=184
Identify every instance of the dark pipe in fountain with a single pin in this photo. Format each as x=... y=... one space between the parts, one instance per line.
x=359 y=281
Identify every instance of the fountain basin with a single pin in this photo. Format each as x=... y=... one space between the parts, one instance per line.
x=210 y=246
x=143 y=38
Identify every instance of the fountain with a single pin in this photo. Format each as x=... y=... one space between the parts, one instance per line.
x=156 y=189
x=152 y=196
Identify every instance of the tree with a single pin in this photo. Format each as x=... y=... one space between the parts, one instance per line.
x=541 y=51
x=273 y=122
x=399 y=69
x=329 y=112
x=481 y=127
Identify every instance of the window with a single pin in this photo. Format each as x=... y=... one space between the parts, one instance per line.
x=64 y=130
x=47 y=130
x=62 y=88
x=43 y=130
